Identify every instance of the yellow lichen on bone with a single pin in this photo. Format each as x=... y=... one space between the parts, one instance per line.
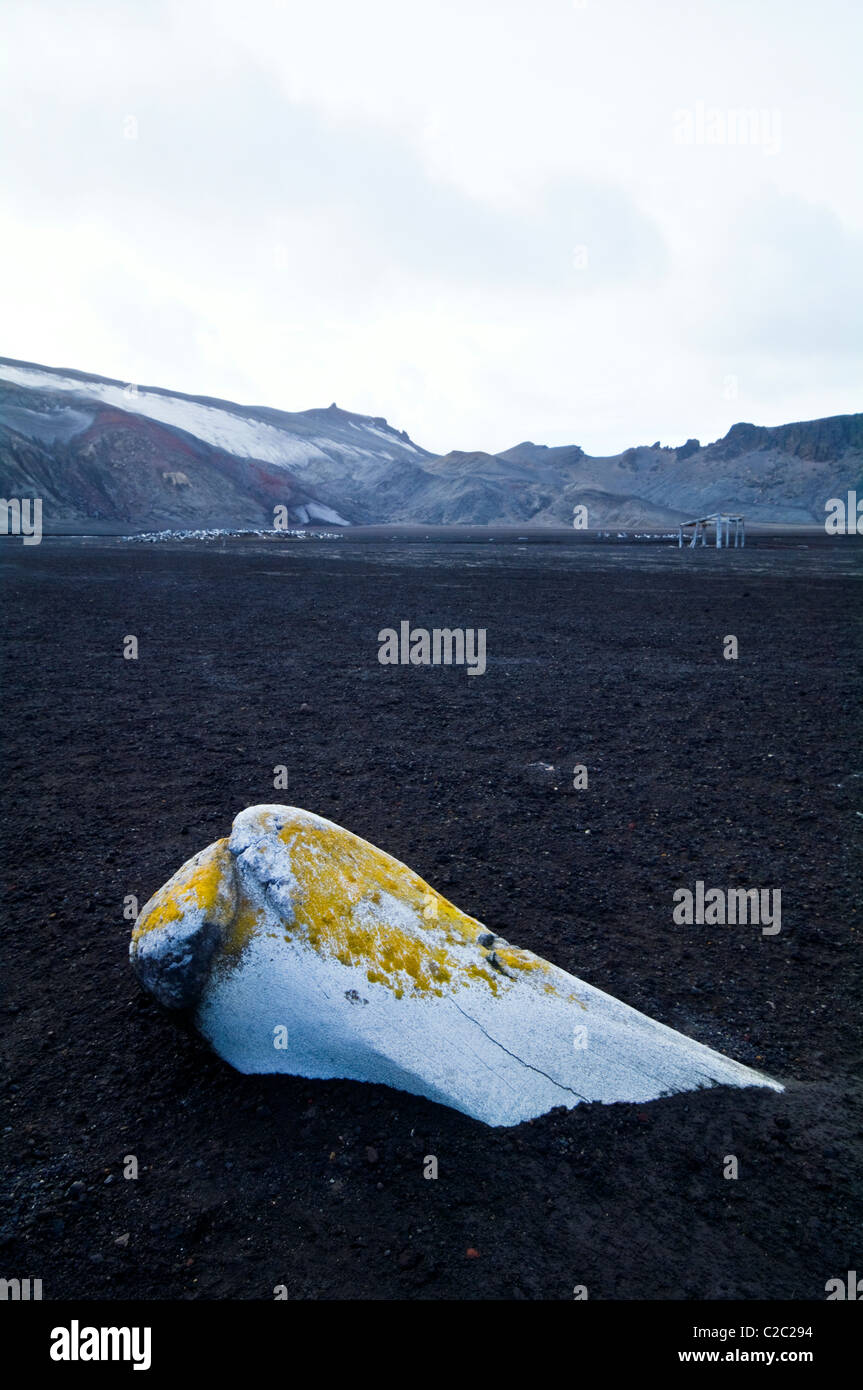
x=243 y=925
x=516 y=959
x=205 y=883
x=349 y=900
x=342 y=911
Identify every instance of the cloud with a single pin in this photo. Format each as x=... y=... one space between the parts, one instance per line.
x=788 y=281
x=471 y=217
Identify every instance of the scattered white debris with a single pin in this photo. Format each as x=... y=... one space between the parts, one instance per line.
x=218 y=533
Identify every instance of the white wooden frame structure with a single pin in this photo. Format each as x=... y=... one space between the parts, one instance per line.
x=723 y=521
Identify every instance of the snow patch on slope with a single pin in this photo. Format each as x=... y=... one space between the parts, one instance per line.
x=316 y=511
x=219 y=428
x=391 y=436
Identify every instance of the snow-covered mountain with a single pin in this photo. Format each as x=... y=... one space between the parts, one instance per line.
x=141 y=457
x=121 y=457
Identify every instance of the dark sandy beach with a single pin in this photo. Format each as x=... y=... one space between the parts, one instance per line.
x=736 y=773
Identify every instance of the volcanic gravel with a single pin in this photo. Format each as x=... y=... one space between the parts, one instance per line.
x=741 y=773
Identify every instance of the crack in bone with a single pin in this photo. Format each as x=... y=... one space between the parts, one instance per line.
x=515 y=1055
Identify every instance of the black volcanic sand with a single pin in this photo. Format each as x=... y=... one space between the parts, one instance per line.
x=742 y=773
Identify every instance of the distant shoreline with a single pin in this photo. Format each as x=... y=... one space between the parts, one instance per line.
x=413 y=533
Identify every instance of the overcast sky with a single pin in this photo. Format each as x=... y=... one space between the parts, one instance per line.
x=487 y=220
